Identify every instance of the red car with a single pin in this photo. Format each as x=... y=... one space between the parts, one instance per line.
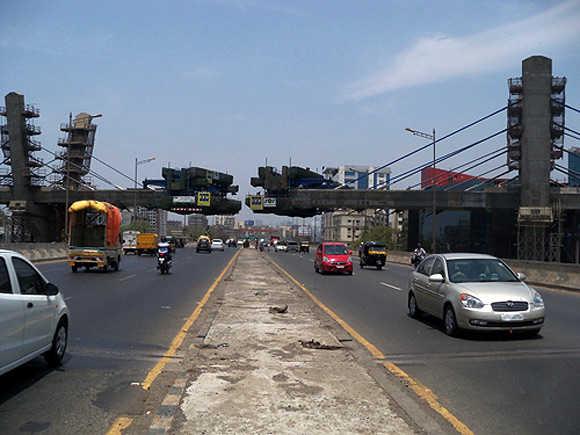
x=333 y=257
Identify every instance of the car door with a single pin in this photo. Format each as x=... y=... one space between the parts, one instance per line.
x=421 y=284
x=437 y=290
x=40 y=309
x=12 y=319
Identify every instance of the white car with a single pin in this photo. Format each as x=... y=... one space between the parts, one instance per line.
x=34 y=318
x=281 y=247
x=217 y=245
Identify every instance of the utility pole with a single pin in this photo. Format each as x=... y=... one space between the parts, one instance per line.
x=433 y=187
x=137 y=163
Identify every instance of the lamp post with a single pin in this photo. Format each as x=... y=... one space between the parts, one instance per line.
x=67 y=162
x=137 y=164
x=431 y=137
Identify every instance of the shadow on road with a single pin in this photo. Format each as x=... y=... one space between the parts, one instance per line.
x=25 y=376
x=437 y=324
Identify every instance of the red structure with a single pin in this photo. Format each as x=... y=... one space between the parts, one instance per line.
x=442 y=178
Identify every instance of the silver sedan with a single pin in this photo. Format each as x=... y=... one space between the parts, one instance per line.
x=476 y=292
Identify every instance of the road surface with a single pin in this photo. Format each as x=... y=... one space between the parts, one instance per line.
x=495 y=384
x=121 y=323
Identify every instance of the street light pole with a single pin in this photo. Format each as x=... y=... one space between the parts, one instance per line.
x=433 y=186
x=137 y=163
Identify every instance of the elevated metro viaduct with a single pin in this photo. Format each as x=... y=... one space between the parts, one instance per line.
x=39 y=211
x=532 y=221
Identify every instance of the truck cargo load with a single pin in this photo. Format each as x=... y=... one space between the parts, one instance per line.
x=94 y=235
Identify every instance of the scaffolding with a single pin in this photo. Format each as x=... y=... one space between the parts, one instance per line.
x=77 y=154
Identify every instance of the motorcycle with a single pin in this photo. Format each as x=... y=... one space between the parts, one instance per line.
x=163 y=263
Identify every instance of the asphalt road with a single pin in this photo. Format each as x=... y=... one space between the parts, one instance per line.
x=495 y=384
x=121 y=323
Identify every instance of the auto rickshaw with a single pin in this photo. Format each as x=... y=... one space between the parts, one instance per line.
x=373 y=254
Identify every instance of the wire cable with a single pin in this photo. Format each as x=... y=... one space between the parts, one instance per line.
x=437 y=178
x=490 y=180
x=571 y=108
x=80 y=183
x=442 y=158
x=95 y=174
x=409 y=154
x=114 y=169
x=454 y=186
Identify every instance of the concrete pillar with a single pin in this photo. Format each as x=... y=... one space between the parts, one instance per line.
x=536 y=135
x=16 y=125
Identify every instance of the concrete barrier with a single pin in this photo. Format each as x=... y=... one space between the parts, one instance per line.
x=38 y=251
x=560 y=275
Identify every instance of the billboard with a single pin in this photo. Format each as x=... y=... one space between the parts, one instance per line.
x=256 y=202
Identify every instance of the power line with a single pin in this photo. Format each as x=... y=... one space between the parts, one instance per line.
x=465 y=127
x=80 y=183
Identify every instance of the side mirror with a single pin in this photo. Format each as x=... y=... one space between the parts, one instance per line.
x=521 y=276
x=437 y=277
x=350 y=252
x=50 y=289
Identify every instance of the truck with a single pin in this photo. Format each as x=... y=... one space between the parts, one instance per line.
x=130 y=242
x=94 y=236
x=147 y=243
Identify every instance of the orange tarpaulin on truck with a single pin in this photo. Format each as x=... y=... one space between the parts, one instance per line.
x=112 y=213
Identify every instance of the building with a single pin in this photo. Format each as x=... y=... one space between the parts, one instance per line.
x=358 y=177
x=197 y=220
x=462 y=230
x=174 y=226
x=348 y=225
x=228 y=222
x=155 y=218
x=574 y=167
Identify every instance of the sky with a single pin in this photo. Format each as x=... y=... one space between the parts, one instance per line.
x=225 y=84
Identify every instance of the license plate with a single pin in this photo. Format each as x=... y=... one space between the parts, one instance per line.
x=340 y=267
x=510 y=317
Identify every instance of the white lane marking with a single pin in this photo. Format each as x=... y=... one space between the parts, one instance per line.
x=391 y=286
x=128 y=277
x=68 y=299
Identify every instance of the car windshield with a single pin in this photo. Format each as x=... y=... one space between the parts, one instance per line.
x=335 y=250
x=380 y=248
x=163 y=250
x=292 y=243
x=217 y=241
x=479 y=270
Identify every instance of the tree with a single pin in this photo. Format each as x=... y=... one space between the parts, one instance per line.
x=139 y=225
x=379 y=233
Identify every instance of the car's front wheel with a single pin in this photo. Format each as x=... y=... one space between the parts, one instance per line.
x=56 y=353
x=450 y=321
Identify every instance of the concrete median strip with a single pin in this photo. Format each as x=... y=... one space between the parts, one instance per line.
x=282 y=371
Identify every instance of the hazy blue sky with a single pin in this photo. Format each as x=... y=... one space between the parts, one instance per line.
x=226 y=83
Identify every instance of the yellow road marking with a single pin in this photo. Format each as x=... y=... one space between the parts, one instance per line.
x=178 y=339
x=122 y=423
x=418 y=388
x=119 y=425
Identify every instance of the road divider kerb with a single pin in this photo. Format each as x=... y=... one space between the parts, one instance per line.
x=420 y=390
x=123 y=422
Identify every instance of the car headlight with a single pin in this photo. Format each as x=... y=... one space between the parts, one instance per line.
x=537 y=299
x=469 y=301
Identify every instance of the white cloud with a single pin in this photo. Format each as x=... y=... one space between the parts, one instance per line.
x=440 y=57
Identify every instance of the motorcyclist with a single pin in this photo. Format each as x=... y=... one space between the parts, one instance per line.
x=418 y=255
x=164 y=248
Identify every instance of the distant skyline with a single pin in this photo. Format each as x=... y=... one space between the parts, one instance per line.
x=225 y=84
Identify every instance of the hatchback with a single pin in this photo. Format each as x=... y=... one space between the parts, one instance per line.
x=333 y=257
x=34 y=318
x=476 y=292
